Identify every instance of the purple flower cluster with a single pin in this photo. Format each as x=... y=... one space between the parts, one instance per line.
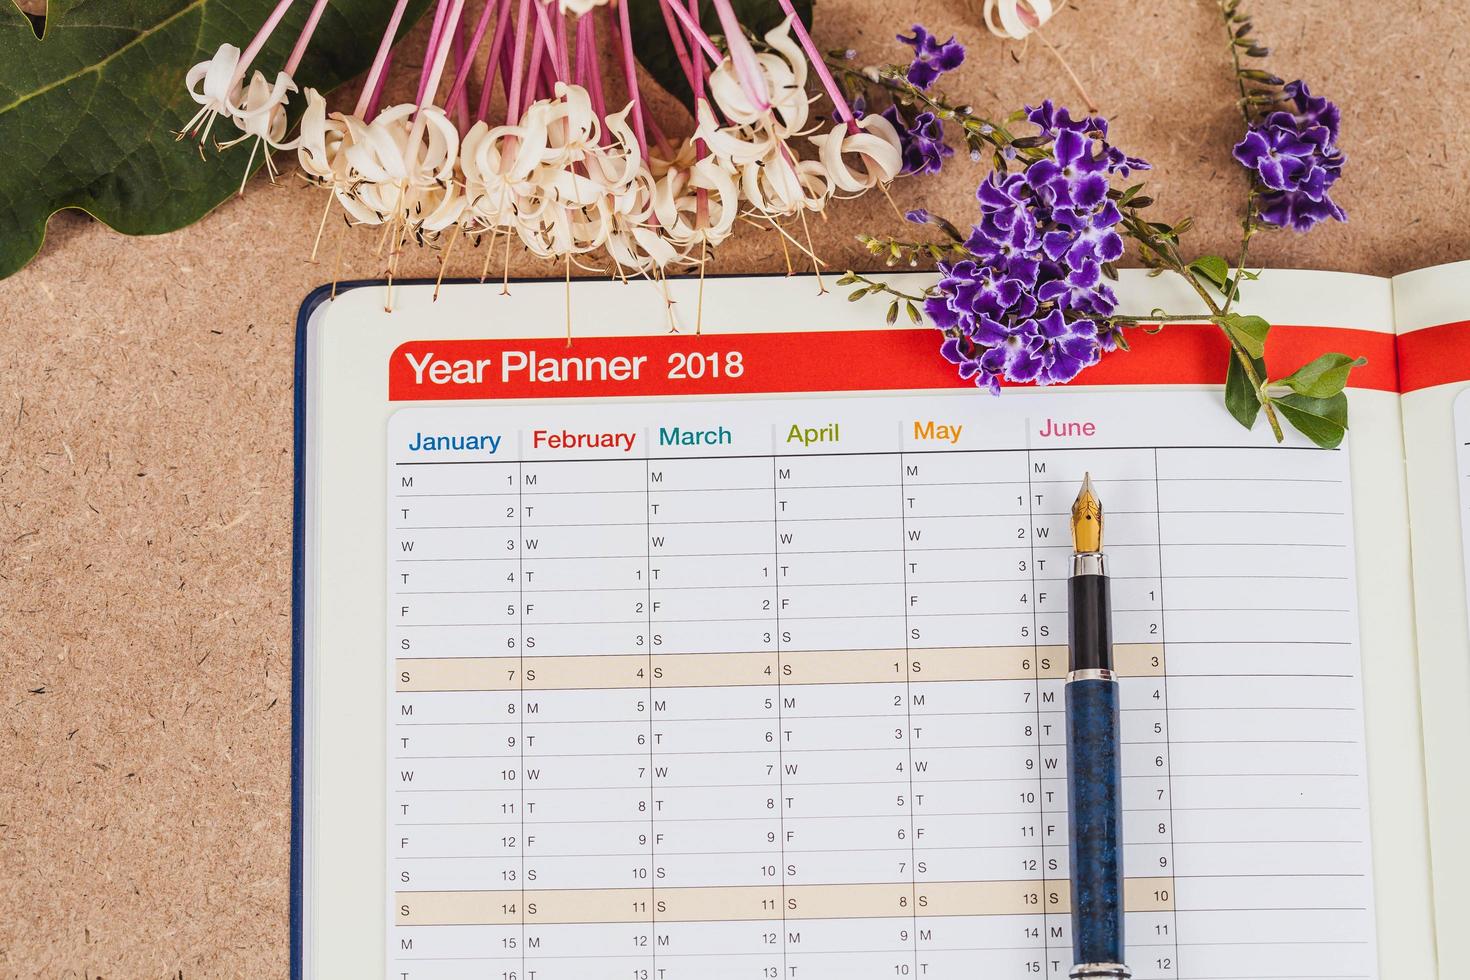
x=1026 y=306
x=932 y=57
x=1294 y=158
x=922 y=144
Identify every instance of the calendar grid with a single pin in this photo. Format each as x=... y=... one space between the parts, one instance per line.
x=980 y=883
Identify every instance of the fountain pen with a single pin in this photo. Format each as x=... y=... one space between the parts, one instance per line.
x=1094 y=769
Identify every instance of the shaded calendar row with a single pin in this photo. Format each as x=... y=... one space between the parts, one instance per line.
x=734 y=903
x=671 y=670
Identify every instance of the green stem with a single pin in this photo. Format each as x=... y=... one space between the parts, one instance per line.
x=986 y=129
x=887 y=244
x=883 y=287
x=1235 y=58
x=1249 y=229
x=1139 y=229
x=1162 y=318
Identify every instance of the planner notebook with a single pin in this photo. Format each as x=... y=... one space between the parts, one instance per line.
x=739 y=653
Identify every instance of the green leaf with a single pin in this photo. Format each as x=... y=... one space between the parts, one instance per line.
x=88 y=111
x=1322 y=420
x=1323 y=377
x=1249 y=332
x=1240 y=398
x=656 y=52
x=1215 y=270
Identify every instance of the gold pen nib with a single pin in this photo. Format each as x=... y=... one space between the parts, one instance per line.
x=1087 y=519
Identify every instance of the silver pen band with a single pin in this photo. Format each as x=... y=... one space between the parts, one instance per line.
x=1088 y=563
x=1092 y=674
x=1100 y=971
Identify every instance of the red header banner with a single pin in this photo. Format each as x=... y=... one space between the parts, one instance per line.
x=1434 y=356
x=853 y=360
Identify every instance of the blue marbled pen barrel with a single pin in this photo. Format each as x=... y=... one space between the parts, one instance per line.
x=1095 y=804
x=1094 y=750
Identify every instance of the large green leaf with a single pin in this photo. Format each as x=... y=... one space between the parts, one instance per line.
x=1249 y=332
x=1323 y=377
x=656 y=52
x=1240 y=395
x=88 y=110
x=1322 y=420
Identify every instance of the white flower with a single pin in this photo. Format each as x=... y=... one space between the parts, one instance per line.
x=263 y=112
x=490 y=192
x=779 y=184
x=580 y=7
x=784 y=72
x=322 y=142
x=735 y=146
x=1016 y=18
x=686 y=154
x=214 y=86
x=876 y=146
x=402 y=169
x=262 y=117
x=634 y=240
x=618 y=163
x=677 y=203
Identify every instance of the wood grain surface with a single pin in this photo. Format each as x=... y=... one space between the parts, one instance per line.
x=145 y=450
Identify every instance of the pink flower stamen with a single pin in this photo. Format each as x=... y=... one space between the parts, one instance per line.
x=436 y=35
x=547 y=35
x=691 y=24
x=594 y=65
x=630 y=75
x=834 y=92
x=538 y=48
x=372 y=87
x=257 y=42
x=742 y=57
x=460 y=86
x=496 y=64
x=681 y=51
x=517 y=72
x=298 y=52
x=377 y=93
x=458 y=102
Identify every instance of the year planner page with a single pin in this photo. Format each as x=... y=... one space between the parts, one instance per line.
x=771 y=687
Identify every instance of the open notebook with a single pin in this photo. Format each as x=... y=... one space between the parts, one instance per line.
x=739 y=655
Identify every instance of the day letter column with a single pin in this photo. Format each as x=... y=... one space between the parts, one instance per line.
x=588 y=842
x=453 y=732
x=716 y=716
x=1125 y=482
x=844 y=733
x=972 y=713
